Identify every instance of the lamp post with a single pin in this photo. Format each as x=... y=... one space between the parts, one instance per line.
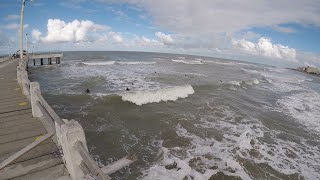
x=21 y=29
x=27 y=53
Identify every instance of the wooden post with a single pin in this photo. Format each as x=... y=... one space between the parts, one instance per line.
x=34 y=62
x=56 y=60
x=50 y=62
x=34 y=88
x=41 y=61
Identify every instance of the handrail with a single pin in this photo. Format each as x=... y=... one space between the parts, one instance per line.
x=90 y=163
x=53 y=115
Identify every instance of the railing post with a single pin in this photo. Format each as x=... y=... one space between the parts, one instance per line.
x=19 y=75
x=68 y=134
x=24 y=77
x=34 y=88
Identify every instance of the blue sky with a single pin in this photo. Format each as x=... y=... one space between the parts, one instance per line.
x=285 y=32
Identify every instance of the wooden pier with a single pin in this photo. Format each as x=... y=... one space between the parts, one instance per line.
x=18 y=129
x=57 y=57
x=35 y=143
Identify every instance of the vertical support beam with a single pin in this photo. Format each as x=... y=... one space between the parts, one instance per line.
x=41 y=61
x=59 y=60
x=34 y=62
x=50 y=61
x=56 y=60
x=34 y=88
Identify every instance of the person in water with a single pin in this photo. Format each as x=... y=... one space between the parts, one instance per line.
x=87 y=91
x=127 y=89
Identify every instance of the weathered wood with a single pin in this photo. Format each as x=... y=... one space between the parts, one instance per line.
x=43 y=103
x=90 y=163
x=12 y=147
x=18 y=128
x=52 y=173
x=30 y=166
x=21 y=135
x=17 y=122
x=24 y=150
x=117 y=165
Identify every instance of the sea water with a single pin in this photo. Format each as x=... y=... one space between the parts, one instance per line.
x=189 y=117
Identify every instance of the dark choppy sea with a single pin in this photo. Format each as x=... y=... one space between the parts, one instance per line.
x=189 y=117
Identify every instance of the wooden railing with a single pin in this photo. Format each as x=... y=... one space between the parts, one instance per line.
x=70 y=136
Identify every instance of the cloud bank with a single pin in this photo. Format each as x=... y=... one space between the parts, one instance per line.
x=75 y=31
x=265 y=47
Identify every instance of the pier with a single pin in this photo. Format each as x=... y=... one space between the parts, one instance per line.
x=57 y=57
x=35 y=143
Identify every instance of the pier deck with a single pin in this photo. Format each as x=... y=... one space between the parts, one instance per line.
x=18 y=129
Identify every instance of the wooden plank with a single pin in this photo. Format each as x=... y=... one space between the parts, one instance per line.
x=18 y=122
x=18 y=117
x=10 y=114
x=21 y=135
x=26 y=149
x=52 y=173
x=14 y=109
x=18 y=128
x=15 y=146
x=117 y=165
x=14 y=105
x=90 y=163
x=30 y=166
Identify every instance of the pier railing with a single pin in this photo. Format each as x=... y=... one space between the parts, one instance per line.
x=68 y=135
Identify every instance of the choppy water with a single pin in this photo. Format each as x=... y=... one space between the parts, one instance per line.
x=189 y=117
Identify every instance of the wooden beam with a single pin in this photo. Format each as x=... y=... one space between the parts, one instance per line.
x=90 y=163
x=117 y=165
x=24 y=150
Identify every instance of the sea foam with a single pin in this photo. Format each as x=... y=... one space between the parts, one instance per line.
x=165 y=94
x=103 y=63
x=98 y=63
x=188 y=61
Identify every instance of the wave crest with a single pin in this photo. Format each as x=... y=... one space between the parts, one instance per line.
x=116 y=62
x=166 y=94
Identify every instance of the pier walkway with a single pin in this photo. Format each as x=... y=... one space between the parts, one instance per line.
x=18 y=129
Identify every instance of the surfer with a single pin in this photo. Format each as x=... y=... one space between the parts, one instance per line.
x=127 y=89
x=87 y=91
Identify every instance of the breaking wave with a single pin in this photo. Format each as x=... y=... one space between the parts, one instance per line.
x=165 y=94
x=116 y=62
x=188 y=61
x=99 y=63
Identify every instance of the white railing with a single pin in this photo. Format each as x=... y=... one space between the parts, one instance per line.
x=70 y=136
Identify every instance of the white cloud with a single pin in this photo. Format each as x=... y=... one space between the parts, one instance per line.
x=216 y=16
x=12 y=17
x=264 y=47
x=283 y=29
x=116 y=37
x=165 y=38
x=36 y=34
x=75 y=31
x=11 y=26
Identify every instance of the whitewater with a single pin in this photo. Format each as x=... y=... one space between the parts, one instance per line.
x=189 y=117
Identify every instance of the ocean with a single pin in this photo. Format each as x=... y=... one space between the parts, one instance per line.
x=189 y=117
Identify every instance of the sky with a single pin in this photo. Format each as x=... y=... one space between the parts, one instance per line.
x=275 y=32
